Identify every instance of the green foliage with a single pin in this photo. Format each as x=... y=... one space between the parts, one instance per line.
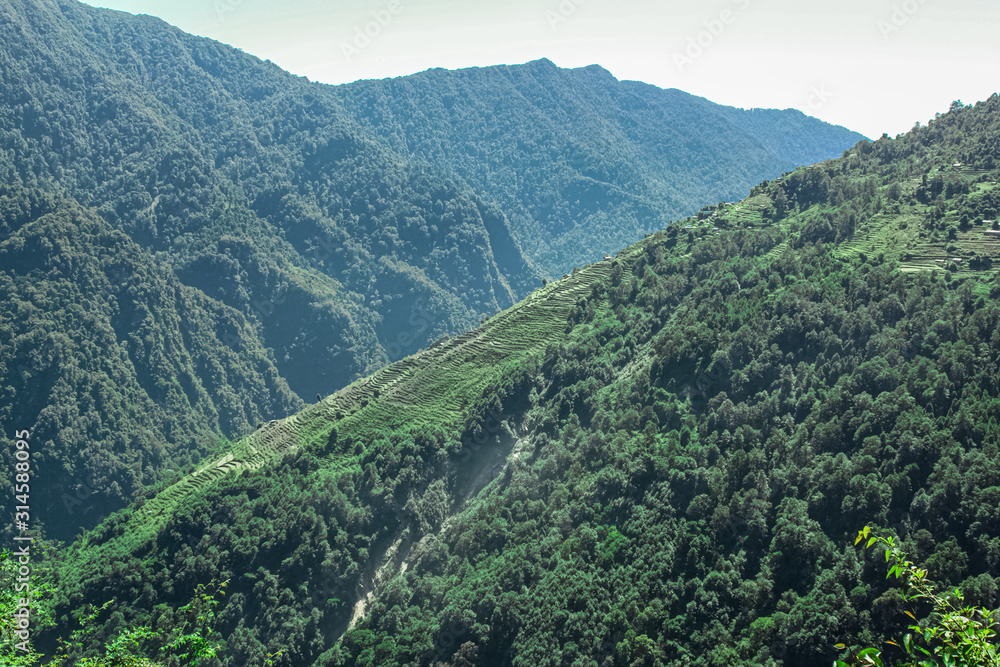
x=953 y=633
x=308 y=234
x=10 y=654
x=188 y=641
x=613 y=543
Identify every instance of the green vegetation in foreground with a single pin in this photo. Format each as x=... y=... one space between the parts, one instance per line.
x=953 y=634
x=659 y=460
x=183 y=639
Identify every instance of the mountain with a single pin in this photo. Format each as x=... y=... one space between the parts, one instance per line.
x=325 y=231
x=661 y=459
x=580 y=161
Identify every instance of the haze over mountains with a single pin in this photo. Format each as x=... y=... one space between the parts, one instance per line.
x=579 y=161
x=196 y=241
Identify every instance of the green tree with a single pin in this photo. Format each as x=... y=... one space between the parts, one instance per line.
x=953 y=634
x=188 y=643
x=10 y=654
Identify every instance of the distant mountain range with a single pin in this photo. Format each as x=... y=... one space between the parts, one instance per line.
x=580 y=162
x=199 y=241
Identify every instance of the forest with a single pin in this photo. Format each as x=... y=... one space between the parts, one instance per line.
x=663 y=459
x=243 y=240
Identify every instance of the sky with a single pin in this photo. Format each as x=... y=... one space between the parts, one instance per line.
x=874 y=66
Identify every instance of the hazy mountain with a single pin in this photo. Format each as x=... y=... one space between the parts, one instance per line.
x=580 y=161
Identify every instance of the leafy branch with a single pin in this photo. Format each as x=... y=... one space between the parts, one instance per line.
x=189 y=642
x=953 y=635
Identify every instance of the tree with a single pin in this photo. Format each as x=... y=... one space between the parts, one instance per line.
x=188 y=643
x=10 y=654
x=953 y=634
x=780 y=204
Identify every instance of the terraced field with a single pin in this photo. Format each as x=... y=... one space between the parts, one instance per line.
x=978 y=240
x=891 y=234
x=435 y=386
x=899 y=236
x=904 y=234
x=749 y=212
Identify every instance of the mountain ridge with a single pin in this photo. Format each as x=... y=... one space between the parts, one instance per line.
x=598 y=98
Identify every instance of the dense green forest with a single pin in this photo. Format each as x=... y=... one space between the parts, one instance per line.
x=311 y=234
x=662 y=459
x=122 y=370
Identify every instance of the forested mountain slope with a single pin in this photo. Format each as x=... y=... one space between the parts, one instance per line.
x=120 y=369
x=303 y=210
x=580 y=161
x=247 y=186
x=180 y=142
x=662 y=459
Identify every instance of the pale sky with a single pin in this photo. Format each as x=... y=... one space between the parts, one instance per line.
x=873 y=66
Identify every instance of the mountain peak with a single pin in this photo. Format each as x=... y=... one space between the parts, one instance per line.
x=544 y=64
